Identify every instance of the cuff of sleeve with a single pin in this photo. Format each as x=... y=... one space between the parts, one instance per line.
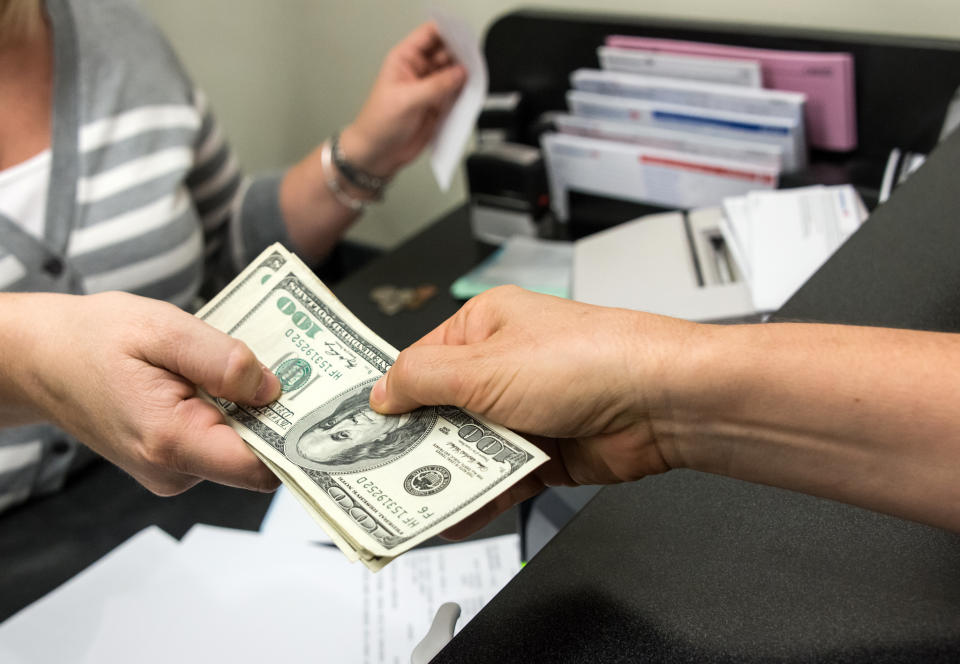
x=261 y=219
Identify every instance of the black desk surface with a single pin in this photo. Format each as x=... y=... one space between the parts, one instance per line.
x=690 y=567
x=437 y=255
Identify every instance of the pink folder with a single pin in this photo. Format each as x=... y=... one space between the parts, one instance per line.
x=826 y=79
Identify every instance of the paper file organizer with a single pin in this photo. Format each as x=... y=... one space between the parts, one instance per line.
x=903 y=85
x=827 y=80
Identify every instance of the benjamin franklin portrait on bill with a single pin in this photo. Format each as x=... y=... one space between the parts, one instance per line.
x=346 y=435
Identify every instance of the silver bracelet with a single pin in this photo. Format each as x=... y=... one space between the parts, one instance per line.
x=330 y=177
x=353 y=174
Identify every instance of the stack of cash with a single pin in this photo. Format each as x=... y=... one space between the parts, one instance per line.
x=377 y=485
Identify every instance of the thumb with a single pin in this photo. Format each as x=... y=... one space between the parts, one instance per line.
x=426 y=375
x=221 y=365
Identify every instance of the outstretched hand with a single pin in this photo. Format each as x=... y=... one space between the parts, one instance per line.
x=121 y=374
x=581 y=381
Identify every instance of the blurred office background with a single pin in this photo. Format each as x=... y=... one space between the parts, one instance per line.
x=284 y=74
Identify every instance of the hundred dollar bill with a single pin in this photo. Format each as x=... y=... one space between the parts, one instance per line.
x=378 y=485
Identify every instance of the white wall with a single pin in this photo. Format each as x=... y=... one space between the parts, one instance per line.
x=284 y=74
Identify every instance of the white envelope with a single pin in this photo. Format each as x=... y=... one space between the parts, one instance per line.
x=763 y=154
x=781 y=132
x=709 y=70
x=755 y=101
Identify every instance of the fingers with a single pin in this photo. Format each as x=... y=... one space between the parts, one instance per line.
x=444 y=367
x=438 y=335
x=438 y=88
x=523 y=490
x=424 y=39
x=205 y=447
x=476 y=321
x=554 y=472
x=441 y=58
x=221 y=365
x=426 y=376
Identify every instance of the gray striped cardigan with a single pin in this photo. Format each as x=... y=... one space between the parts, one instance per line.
x=145 y=196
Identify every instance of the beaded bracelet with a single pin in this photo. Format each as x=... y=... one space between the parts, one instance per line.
x=354 y=175
x=330 y=177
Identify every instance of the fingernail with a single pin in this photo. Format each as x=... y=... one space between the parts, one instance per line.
x=378 y=395
x=269 y=389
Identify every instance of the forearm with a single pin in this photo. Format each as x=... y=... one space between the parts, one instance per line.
x=18 y=339
x=868 y=416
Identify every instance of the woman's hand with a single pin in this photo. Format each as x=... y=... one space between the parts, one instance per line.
x=121 y=374
x=415 y=88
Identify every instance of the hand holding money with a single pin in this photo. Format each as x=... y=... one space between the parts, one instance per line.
x=586 y=380
x=378 y=485
x=118 y=373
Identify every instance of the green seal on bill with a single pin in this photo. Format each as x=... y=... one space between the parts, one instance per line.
x=293 y=374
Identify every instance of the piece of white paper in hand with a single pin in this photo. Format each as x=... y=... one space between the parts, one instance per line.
x=452 y=136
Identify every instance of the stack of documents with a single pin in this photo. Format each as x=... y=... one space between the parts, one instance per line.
x=774 y=134
x=779 y=239
x=673 y=129
x=827 y=80
x=225 y=595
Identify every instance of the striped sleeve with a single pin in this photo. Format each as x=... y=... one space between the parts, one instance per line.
x=240 y=215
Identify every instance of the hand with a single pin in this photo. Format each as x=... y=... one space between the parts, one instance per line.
x=120 y=373
x=417 y=84
x=415 y=88
x=583 y=379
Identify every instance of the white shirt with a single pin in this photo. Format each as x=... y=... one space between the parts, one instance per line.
x=23 y=193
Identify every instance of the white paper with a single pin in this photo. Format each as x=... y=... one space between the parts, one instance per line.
x=235 y=596
x=780 y=238
x=454 y=132
x=401 y=601
x=734 y=226
x=63 y=626
x=286 y=517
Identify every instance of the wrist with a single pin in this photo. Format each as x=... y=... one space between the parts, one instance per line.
x=690 y=382
x=21 y=371
x=364 y=153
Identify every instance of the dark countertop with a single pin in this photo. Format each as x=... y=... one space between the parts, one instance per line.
x=689 y=567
